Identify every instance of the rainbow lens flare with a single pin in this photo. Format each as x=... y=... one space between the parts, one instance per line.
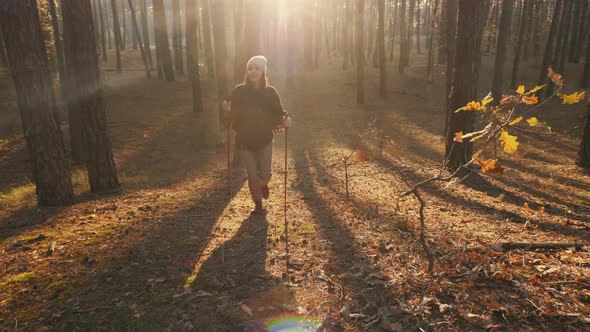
x=291 y=323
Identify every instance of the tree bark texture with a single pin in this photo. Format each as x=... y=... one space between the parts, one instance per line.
x=501 y=49
x=85 y=91
x=162 y=43
x=20 y=26
x=464 y=87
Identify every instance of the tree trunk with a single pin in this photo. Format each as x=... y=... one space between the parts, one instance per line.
x=451 y=30
x=418 y=48
x=218 y=16
x=145 y=32
x=548 y=54
x=565 y=36
x=192 y=53
x=239 y=40
x=117 y=29
x=433 y=18
x=103 y=42
x=381 y=48
x=492 y=26
x=108 y=24
x=21 y=29
x=220 y=48
x=584 y=152
x=138 y=37
x=176 y=37
x=583 y=30
x=577 y=12
x=559 y=44
x=501 y=49
x=519 y=44
x=393 y=30
x=124 y=26
x=346 y=34
x=308 y=34
x=162 y=44
x=83 y=82
x=586 y=75
x=57 y=37
x=291 y=45
x=538 y=22
x=403 y=38
x=96 y=22
x=442 y=35
x=360 y=56
x=3 y=56
x=464 y=83
x=532 y=8
x=208 y=43
x=411 y=31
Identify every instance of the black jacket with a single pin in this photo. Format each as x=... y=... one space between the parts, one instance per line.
x=255 y=114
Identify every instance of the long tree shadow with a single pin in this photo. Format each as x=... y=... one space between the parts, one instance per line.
x=572 y=182
x=476 y=206
x=341 y=241
x=481 y=184
x=134 y=287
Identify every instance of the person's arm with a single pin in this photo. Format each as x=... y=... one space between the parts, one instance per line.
x=229 y=105
x=278 y=113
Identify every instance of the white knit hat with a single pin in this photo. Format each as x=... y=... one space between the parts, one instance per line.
x=259 y=60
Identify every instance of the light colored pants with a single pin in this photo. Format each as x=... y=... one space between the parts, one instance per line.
x=258 y=165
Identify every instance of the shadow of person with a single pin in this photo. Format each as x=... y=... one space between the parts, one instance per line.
x=239 y=264
x=236 y=273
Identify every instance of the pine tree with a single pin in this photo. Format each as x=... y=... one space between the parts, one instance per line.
x=164 y=58
x=192 y=54
x=360 y=56
x=117 y=30
x=501 y=49
x=85 y=88
x=464 y=82
x=28 y=65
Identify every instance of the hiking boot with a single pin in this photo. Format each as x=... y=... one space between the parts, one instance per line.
x=265 y=192
x=258 y=208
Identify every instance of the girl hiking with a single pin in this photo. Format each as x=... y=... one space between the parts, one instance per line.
x=255 y=112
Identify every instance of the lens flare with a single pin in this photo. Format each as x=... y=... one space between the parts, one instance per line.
x=289 y=322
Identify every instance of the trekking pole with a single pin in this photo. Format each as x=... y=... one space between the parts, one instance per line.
x=285 y=206
x=229 y=161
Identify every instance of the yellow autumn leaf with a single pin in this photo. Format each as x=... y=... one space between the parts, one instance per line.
x=472 y=106
x=491 y=166
x=508 y=142
x=486 y=101
x=520 y=90
x=534 y=122
x=555 y=77
x=535 y=89
x=530 y=100
x=475 y=106
x=574 y=98
x=515 y=121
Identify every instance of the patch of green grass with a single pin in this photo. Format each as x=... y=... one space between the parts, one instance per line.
x=19 y=196
x=303 y=231
x=99 y=237
x=25 y=277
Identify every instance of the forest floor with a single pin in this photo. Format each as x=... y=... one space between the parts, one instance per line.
x=173 y=251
